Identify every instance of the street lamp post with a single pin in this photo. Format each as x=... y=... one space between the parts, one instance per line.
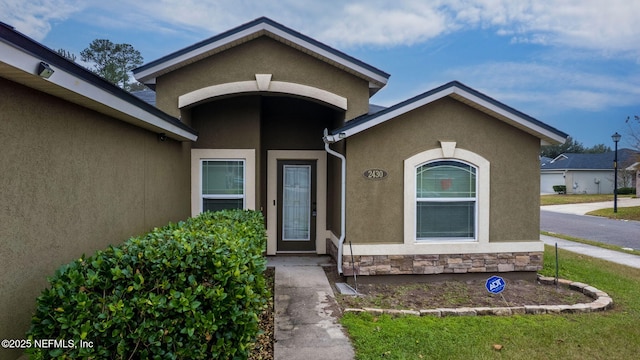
x=615 y=137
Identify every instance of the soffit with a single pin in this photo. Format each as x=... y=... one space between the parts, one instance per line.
x=19 y=60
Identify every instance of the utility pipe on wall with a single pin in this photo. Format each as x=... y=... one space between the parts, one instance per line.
x=343 y=194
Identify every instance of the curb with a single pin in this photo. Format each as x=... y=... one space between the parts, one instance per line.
x=602 y=301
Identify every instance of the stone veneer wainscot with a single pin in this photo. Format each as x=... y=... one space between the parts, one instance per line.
x=438 y=263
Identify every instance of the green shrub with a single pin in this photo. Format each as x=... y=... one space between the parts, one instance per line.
x=190 y=290
x=626 y=191
x=560 y=189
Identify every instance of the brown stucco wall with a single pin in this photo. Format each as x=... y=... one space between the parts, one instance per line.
x=262 y=55
x=375 y=208
x=74 y=181
x=232 y=123
x=262 y=123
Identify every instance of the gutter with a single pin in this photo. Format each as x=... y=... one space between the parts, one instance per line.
x=327 y=139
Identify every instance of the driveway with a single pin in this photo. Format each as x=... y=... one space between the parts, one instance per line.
x=570 y=220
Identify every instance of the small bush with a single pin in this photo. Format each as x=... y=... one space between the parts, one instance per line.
x=560 y=189
x=626 y=191
x=190 y=290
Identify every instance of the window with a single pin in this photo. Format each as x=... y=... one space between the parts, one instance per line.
x=446 y=201
x=223 y=184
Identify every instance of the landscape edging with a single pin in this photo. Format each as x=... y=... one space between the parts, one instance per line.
x=602 y=301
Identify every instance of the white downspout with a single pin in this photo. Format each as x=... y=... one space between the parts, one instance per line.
x=343 y=194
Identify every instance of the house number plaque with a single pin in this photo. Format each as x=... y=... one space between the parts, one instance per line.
x=374 y=174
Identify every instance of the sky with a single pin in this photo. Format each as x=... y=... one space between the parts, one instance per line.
x=573 y=64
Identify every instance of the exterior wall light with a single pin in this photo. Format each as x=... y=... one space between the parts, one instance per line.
x=44 y=70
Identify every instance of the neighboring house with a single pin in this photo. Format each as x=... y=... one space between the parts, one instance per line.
x=634 y=170
x=587 y=173
x=261 y=117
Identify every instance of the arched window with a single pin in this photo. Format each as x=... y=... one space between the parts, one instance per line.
x=446 y=204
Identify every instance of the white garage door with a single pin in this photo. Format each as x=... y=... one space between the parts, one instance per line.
x=548 y=179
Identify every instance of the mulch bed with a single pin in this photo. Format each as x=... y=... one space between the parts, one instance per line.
x=453 y=294
x=419 y=296
x=263 y=348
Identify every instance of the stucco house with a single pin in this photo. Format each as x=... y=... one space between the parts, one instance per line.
x=83 y=165
x=446 y=181
x=587 y=173
x=260 y=117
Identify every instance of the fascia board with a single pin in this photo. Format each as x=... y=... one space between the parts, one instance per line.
x=522 y=123
x=532 y=128
x=148 y=75
x=395 y=113
x=28 y=63
x=326 y=54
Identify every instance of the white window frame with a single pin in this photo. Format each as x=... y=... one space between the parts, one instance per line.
x=449 y=200
x=448 y=152
x=248 y=156
x=224 y=196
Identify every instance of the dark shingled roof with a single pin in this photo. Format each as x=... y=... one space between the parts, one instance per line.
x=601 y=161
x=381 y=112
x=146 y=95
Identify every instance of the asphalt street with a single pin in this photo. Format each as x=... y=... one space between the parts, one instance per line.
x=616 y=232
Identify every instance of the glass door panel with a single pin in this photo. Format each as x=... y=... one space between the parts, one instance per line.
x=296 y=203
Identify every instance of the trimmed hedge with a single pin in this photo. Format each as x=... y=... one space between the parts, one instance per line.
x=191 y=290
x=560 y=189
x=626 y=190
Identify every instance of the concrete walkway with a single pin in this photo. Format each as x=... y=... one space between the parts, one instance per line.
x=581 y=209
x=305 y=324
x=594 y=251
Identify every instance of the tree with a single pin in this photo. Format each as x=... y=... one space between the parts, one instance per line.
x=634 y=131
x=598 y=149
x=112 y=61
x=67 y=54
x=569 y=146
x=136 y=86
x=572 y=146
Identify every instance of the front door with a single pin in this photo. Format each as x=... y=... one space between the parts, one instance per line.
x=297 y=206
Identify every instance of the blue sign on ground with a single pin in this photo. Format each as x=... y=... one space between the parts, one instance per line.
x=495 y=284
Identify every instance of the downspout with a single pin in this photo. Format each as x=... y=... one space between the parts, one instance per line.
x=343 y=185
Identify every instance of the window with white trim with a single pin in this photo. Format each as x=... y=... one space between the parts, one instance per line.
x=446 y=201
x=223 y=184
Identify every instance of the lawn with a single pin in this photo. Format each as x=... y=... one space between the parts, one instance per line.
x=592 y=242
x=614 y=334
x=624 y=213
x=576 y=198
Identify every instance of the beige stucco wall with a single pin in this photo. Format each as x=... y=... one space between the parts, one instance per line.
x=74 y=181
x=262 y=123
x=375 y=208
x=262 y=56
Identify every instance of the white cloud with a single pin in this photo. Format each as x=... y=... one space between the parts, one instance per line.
x=34 y=18
x=586 y=24
x=610 y=27
x=547 y=89
x=373 y=23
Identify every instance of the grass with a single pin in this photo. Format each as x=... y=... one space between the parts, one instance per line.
x=624 y=213
x=591 y=242
x=576 y=198
x=613 y=334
